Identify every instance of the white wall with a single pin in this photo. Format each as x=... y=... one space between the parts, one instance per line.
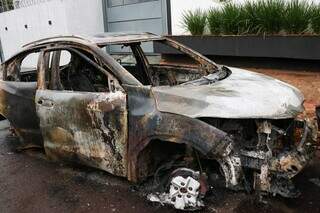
x=178 y=7
x=84 y=17
x=14 y=34
x=79 y=17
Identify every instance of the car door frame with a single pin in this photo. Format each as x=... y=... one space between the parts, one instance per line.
x=99 y=105
x=17 y=101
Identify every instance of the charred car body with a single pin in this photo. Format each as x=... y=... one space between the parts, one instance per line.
x=136 y=120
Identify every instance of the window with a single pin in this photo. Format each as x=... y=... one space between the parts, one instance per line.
x=114 y=3
x=23 y=68
x=152 y=68
x=65 y=58
x=131 y=58
x=30 y=62
x=77 y=70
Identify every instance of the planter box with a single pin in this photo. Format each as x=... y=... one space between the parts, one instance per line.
x=291 y=47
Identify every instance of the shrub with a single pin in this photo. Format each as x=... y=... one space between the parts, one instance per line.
x=233 y=20
x=269 y=16
x=214 y=21
x=297 y=17
x=195 y=22
x=315 y=19
x=256 y=17
x=251 y=12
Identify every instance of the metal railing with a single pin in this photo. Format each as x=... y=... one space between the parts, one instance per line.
x=6 y=5
x=27 y=3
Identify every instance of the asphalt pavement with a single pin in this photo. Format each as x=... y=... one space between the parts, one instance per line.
x=31 y=183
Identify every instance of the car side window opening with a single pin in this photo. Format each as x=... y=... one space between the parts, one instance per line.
x=23 y=68
x=130 y=58
x=77 y=70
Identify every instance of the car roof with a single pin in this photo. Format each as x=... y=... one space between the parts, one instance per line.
x=101 y=39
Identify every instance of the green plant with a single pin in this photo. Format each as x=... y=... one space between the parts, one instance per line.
x=195 y=22
x=214 y=21
x=256 y=17
x=251 y=13
x=315 y=19
x=269 y=15
x=297 y=16
x=233 y=20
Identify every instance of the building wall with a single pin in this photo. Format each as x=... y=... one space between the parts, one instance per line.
x=21 y=26
x=51 y=18
x=84 y=17
x=137 y=16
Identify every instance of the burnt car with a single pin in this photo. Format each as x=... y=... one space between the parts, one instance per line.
x=137 y=115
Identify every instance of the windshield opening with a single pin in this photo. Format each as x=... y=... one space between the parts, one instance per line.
x=162 y=62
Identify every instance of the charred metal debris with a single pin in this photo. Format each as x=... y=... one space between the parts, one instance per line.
x=174 y=122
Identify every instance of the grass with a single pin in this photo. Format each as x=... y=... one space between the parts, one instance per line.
x=251 y=13
x=214 y=21
x=315 y=19
x=233 y=19
x=269 y=16
x=256 y=17
x=195 y=22
x=297 y=17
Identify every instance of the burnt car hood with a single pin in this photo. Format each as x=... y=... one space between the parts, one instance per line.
x=243 y=94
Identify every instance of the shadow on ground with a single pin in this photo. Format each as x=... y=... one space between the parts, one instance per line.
x=30 y=183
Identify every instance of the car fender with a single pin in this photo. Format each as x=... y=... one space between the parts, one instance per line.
x=146 y=123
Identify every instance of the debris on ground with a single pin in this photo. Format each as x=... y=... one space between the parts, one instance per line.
x=184 y=192
x=315 y=181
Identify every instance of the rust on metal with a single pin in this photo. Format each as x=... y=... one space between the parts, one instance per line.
x=132 y=121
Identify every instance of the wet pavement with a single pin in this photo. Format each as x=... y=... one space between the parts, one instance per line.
x=31 y=183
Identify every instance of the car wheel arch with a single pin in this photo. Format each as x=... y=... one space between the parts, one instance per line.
x=180 y=130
